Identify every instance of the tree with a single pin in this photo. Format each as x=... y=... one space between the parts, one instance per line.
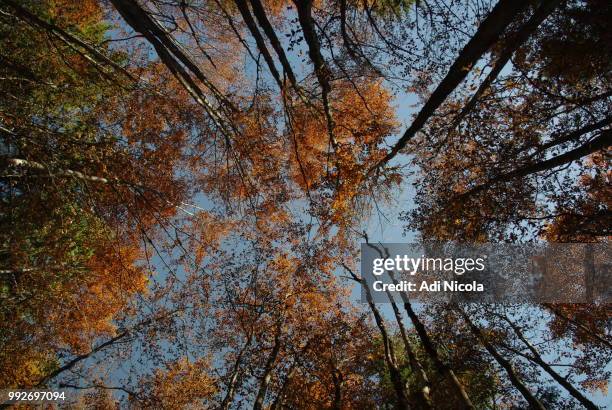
x=184 y=182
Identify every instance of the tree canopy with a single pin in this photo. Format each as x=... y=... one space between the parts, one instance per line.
x=185 y=184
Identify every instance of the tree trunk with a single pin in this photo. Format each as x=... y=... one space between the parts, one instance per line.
x=337 y=378
x=534 y=403
x=602 y=141
x=231 y=385
x=394 y=373
x=512 y=44
x=422 y=396
x=488 y=33
x=431 y=351
x=264 y=23
x=304 y=10
x=267 y=375
x=278 y=401
x=536 y=358
x=243 y=8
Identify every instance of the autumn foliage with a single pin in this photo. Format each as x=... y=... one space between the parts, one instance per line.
x=185 y=184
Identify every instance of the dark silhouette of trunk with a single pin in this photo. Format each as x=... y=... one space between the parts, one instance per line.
x=602 y=141
x=82 y=357
x=264 y=23
x=571 y=136
x=513 y=42
x=348 y=44
x=174 y=58
x=534 y=403
x=488 y=33
x=441 y=367
x=422 y=395
x=304 y=10
x=278 y=401
x=337 y=378
x=230 y=21
x=142 y=22
x=88 y=51
x=119 y=337
x=243 y=8
x=231 y=385
x=427 y=343
x=537 y=358
x=267 y=374
x=394 y=373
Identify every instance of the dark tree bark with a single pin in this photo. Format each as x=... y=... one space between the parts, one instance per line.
x=422 y=396
x=513 y=43
x=86 y=50
x=442 y=368
x=267 y=374
x=264 y=23
x=537 y=358
x=394 y=373
x=601 y=142
x=337 y=378
x=231 y=385
x=175 y=59
x=534 y=403
x=574 y=135
x=488 y=33
x=243 y=8
x=304 y=9
x=280 y=397
x=428 y=345
x=119 y=337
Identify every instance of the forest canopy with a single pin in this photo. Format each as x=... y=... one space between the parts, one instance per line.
x=184 y=186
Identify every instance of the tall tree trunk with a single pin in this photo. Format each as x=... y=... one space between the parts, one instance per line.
x=304 y=10
x=488 y=33
x=574 y=135
x=426 y=341
x=174 y=58
x=513 y=42
x=534 y=403
x=231 y=385
x=337 y=378
x=38 y=167
x=394 y=373
x=267 y=374
x=122 y=335
x=537 y=358
x=261 y=44
x=89 y=52
x=601 y=142
x=430 y=349
x=280 y=397
x=264 y=23
x=422 y=396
